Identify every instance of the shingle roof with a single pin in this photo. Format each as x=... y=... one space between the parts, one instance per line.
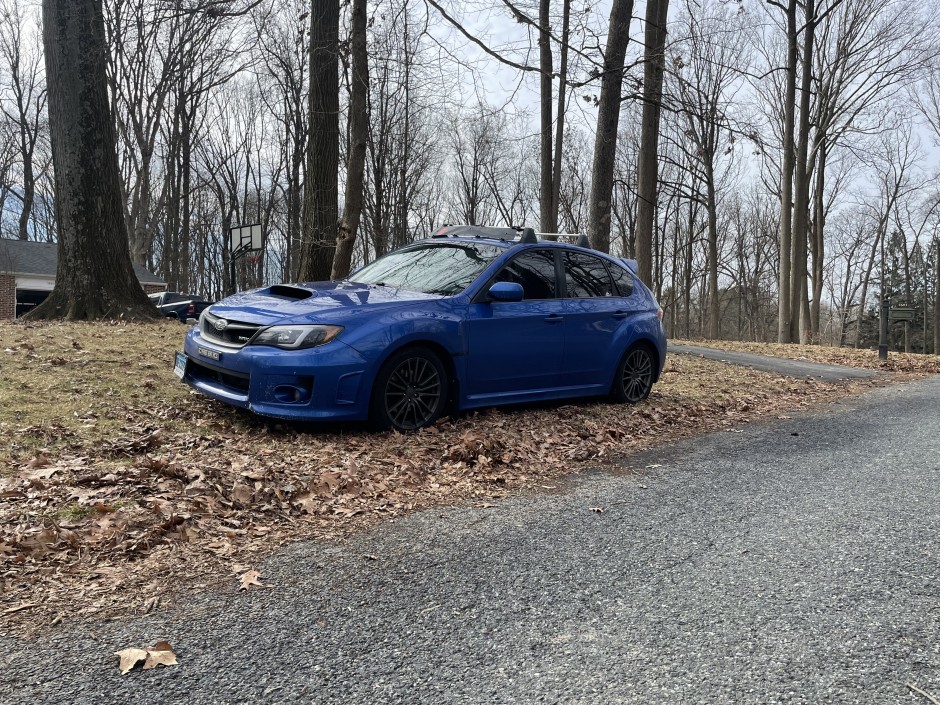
x=39 y=258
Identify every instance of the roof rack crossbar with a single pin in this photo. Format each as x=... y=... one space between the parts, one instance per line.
x=514 y=233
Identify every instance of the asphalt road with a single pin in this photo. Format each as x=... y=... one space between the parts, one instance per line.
x=778 y=365
x=793 y=562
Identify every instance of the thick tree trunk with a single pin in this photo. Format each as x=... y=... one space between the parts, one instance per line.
x=94 y=276
x=321 y=190
x=784 y=313
x=358 y=139
x=547 y=223
x=798 y=292
x=608 y=120
x=647 y=171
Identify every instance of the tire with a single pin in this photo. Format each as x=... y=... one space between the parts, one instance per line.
x=410 y=391
x=634 y=378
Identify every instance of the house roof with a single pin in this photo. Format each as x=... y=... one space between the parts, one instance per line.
x=39 y=259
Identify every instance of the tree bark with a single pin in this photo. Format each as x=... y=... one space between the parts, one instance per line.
x=786 y=181
x=321 y=190
x=936 y=297
x=358 y=139
x=560 y=118
x=818 y=240
x=608 y=120
x=647 y=171
x=94 y=276
x=547 y=223
x=714 y=305
x=802 y=171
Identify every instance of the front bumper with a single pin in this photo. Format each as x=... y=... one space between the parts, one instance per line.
x=328 y=382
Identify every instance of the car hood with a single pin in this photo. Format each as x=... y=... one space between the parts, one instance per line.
x=314 y=302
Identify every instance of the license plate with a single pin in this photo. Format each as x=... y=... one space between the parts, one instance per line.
x=179 y=367
x=211 y=354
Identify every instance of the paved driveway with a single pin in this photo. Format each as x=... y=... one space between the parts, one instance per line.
x=793 y=562
x=778 y=365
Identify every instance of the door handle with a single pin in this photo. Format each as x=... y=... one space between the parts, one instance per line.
x=554 y=318
x=621 y=314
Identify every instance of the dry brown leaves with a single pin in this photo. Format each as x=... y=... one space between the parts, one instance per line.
x=160 y=654
x=175 y=495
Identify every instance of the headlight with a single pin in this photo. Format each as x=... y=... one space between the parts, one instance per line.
x=296 y=337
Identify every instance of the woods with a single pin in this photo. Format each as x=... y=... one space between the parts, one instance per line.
x=771 y=165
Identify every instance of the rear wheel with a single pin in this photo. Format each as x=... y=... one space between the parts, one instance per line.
x=410 y=391
x=634 y=378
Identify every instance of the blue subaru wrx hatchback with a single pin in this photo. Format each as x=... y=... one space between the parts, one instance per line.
x=471 y=317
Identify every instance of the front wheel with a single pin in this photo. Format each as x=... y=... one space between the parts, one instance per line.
x=634 y=378
x=410 y=391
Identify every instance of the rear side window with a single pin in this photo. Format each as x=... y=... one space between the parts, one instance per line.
x=534 y=270
x=623 y=280
x=587 y=277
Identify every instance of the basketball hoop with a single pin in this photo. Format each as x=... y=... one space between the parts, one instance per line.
x=253 y=259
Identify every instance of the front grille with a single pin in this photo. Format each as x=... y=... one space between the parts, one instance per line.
x=233 y=333
x=232 y=380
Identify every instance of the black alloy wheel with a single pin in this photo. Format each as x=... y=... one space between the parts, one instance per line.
x=410 y=391
x=634 y=378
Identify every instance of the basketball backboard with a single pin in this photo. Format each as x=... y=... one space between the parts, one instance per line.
x=245 y=238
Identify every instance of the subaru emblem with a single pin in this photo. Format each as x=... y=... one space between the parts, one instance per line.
x=220 y=324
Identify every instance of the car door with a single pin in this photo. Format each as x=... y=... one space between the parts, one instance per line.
x=516 y=347
x=596 y=308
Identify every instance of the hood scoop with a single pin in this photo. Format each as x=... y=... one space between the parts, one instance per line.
x=295 y=293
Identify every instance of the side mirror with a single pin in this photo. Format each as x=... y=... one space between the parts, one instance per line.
x=506 y=291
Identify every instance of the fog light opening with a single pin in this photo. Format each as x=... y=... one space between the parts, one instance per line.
x=289 y=394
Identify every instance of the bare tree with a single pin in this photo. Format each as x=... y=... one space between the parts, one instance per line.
x=608 y=118
x=647 y=159
x=26 y=105
x=321 y=195
x=94 y=277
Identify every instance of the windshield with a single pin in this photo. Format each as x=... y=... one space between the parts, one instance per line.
x=431 y=269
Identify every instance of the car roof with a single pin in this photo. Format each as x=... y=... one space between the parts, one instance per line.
x=507 y=244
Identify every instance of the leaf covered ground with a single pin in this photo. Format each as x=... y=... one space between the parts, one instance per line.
x=117 y=482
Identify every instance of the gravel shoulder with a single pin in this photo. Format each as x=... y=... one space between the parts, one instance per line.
x=778 y=365
x=793 y=561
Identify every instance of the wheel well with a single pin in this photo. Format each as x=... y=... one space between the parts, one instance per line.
x=651 y=348
x=446 y=358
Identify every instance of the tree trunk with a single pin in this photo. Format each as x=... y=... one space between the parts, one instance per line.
x=647 y=171
x=546 y=221
x=94 y=276
x=714 y=308
x=818 y=240
x=358 y=139
x=936 y=298
x=786 y=181
x=560 y=118
x=608 y=120
x=798 y=293
x=321 y=190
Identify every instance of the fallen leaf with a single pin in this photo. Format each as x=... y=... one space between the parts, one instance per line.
x=250 y=578
x=160 y=654
x=130 y=658
x=598 y=510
